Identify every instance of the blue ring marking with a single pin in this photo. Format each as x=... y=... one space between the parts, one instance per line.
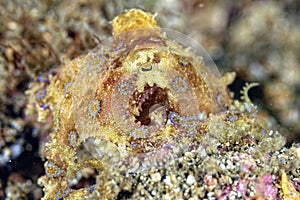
x=41 y=78
x=98 y=65
x=119 y=46
x=92 y=187
x=41 y=94
x=91 y=107
x=66 y=85
x=177 y=116
x=155 y=39
x=175 y=84
x=183 y=61
x=125 y=84
x=73 y=138
x=56 y=124
x=59 y=172
x=45 y=106
x=132 y=133
x=133 y=145
x=195 y=121
x=232 y=118
x=64 y=194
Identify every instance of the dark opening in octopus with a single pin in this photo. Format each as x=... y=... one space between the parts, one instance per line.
x=152 y=106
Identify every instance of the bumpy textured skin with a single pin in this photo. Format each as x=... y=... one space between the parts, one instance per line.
x=129 y=98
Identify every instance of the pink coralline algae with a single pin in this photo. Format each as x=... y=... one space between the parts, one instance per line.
x=266 y=187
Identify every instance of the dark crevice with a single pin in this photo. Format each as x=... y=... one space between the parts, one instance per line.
x=150 y=97
x=124 y=194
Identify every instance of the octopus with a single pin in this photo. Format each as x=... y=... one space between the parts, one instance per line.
x=135 y=102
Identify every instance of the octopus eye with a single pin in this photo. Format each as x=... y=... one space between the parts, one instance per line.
x=151 y=99
x=187 y=42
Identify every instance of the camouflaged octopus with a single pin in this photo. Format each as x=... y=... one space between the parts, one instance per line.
x=134 y=102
